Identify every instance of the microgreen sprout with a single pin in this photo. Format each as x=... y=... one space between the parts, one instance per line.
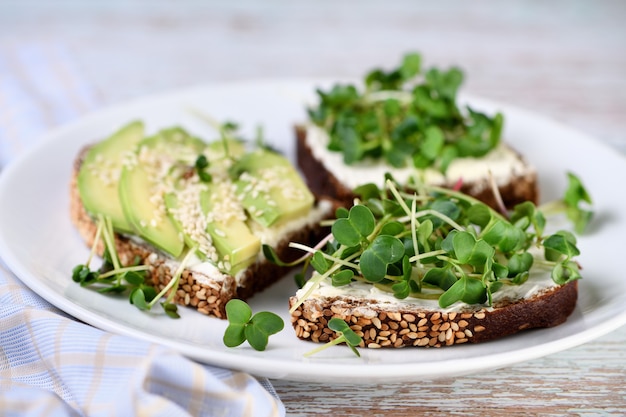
x=434 y=243
x=242 y=325
x=408 y=115
x=114 y=278
x=201 y=165
x=344 y=335
x=575 y=203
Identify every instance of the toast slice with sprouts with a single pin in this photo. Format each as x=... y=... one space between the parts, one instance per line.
x=435 y=267
x=408 y=122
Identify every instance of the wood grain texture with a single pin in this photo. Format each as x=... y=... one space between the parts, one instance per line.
x=563 y=59
x=587 y=380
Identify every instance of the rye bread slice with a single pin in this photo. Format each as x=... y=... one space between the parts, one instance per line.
x=382 y=325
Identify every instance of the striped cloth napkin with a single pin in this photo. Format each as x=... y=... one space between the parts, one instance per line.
x=52 y=365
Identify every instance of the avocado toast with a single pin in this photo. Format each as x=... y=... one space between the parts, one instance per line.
x=192 y=212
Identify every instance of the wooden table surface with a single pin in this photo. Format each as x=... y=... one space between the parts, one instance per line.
x=563 y=59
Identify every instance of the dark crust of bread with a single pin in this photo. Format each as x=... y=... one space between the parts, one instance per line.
x=322 y=182
x=379 y=326
x=208 y=296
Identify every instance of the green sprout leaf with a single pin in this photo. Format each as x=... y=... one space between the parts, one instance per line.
x=505 y=236
x=411 y=66
x=358 y=225
x=525 y=214
x=270 y=254
x=565 y=272
x=344 y=335
x=242 y=325
x=519 y=263
x=171 y=309
x=392 y=228
x=133 y=278
x=319 y=262
x=480 y=214
x=238 y=311
x=471 y=251
x=234 y=335
x=366 y=192
x=433 y=143
x=575 y=196
x=466 y=289
x=446 y=207
x=201 y=165
x=138 y=298
x=401 y=290
x=343 y=277
x=560 y=243
x=575 y=204
x=443 y=278
x=384 y=250
x=261 y=327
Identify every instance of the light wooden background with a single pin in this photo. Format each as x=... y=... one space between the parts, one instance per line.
x=563 y=59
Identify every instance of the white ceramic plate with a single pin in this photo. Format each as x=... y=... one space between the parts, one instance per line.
x=38 y=242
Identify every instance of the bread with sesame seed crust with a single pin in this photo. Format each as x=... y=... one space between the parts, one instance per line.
x=203 y=287
x=402 y=323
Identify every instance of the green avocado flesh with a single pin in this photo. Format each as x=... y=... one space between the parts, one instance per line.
x=99 y=174
x=143 y=186
x=271 y=189
x=231 y=236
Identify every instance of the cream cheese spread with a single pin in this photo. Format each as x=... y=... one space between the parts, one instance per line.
x=538 y=282
x=503 y=163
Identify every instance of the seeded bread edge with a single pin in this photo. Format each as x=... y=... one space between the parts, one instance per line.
x=381 y=325
x=322 y=182
x=207 y=295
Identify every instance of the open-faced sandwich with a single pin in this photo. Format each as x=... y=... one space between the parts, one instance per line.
x=417 y=265
x=194 y=215
x=453 y=248
x=408 y=122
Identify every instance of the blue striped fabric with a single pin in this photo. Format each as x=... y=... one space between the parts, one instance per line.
x=52 y=365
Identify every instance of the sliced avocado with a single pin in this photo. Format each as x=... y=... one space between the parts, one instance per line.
x=270 y=188
x=231 y=236
x=99 y=174
x=171 y=203
x=161 y=159
x=226 y=237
